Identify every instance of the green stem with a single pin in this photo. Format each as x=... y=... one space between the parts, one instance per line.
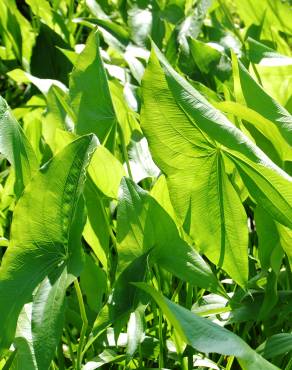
x=288 y=272
x=177 y=290
x=160 y=322
x=84 y=325
x=229 y=362
x=125 y=152
x=91 y=341
x=178 y=345
x=67 y=335
x=110 y=230
x=61 y=361
x=289 y=365
x=257 y=74
x=161 y=347
x=189 y=297
x=190 y=360
x=140 y=356
x=9 y=362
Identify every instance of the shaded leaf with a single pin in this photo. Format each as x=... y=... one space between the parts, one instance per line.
x=205 y=336
x=139 y=233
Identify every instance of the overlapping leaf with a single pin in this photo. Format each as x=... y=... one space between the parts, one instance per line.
x=90 y=96
x=205 y=336
x=16 y=148
x=199 y=187
x=181 y=130
x=143 y=226
x=45 y=235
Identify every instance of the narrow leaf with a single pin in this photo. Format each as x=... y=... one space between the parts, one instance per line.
x=205 y=336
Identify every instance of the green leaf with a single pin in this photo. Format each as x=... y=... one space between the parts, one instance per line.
x=45 y=232
x=272 y=192
x=272 y=75
x=93 y=281
x=190 y=115
x=16 y=148
x=127 y=118
x=141 y=163
x=262 y=124
x=135 y=330
x=126 y=297
x=55 y=115
x=106 y=172
x=16 y=32
x=276 y=345
x=140 y=23
x=205 y=336
x=119 y=32
x=200 y=190
x=209 y=60
x=40 y=324
x=192 y=24
x=257 y=99
x=48 y=316
x=260 y=53
x=96 y=231
x=204 y=55
x=108 y=356
x=160 y=193
x=139 y=233
x=43 y=84
x=274 y=12
x=24 y=358
x=11 y=33
x=205 y=117
x=270 y=251
x=47 y=61
x=90 y=96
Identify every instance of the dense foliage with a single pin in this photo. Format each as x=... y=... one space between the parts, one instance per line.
x=145 y=189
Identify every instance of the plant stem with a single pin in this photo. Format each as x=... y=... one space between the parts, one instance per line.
x=84 y=324
x=61 y=362
x=289 y=365
x=160 y=322
x=125 y=153
x=229 y=362
x=9 y=362
x=256 y=73
x=91 y=340
x=189 y=297
x=177 y=290
x=161 y=349
x=288 y=272
x=67 y=335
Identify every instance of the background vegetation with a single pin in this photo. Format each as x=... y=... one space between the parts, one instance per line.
x=121 y=255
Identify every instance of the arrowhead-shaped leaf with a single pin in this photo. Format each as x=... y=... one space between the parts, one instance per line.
x=200 y=190
x=90 y=96
x=144 y=226
x=45 y=234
